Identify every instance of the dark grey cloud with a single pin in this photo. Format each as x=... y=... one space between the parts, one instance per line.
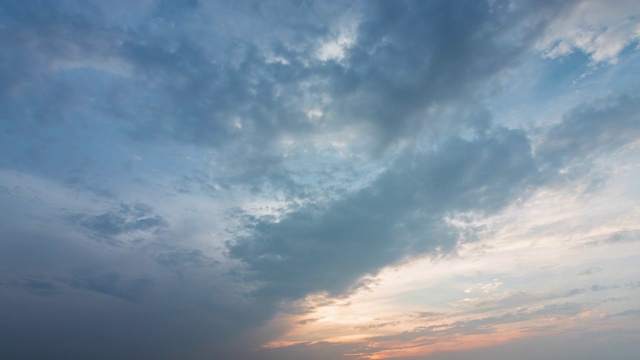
x=74 y=66
x=34 y=252
x=64 y=296
x=632 y=285
x=45 y=38
x=37 y=285
x=624 y=236
x=116 y=311
x=590 y=271
x=179 y=257
x=590 y=129
x=81 y=324
x=327 y=247
x=407 y=57
x=598 y=287
x=113 y=284
x=412 y=55
x=126 y=218
x=631 y=313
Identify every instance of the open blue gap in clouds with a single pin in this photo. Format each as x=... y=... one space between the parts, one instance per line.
x=87 y=87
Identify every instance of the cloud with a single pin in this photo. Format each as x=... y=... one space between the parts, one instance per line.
x=45 y=37
x=453 y=333
x=426 y=316
x=125 y=219
x=158 y=81
x=36 y=285
x=601 y=30
x=113 y=284
x=400 y=215
x=176 y=258
x=345 y=133
x=630 y=312
x=591 y=129
x=406 y=60
x=421 y=337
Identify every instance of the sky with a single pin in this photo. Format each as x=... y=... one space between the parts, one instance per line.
x=298 y=179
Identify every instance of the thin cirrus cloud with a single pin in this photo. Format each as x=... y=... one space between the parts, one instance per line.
x=300 y=179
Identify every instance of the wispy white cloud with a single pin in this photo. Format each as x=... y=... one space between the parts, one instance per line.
x=600 y=29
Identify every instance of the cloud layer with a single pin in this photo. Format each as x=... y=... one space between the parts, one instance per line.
x=197 y=179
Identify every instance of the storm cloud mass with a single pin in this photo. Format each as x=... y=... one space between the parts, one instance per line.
x=319 y=179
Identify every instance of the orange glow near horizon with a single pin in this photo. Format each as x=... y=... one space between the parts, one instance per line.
x=471 y=299
x=461 y=343
x=370 y=349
